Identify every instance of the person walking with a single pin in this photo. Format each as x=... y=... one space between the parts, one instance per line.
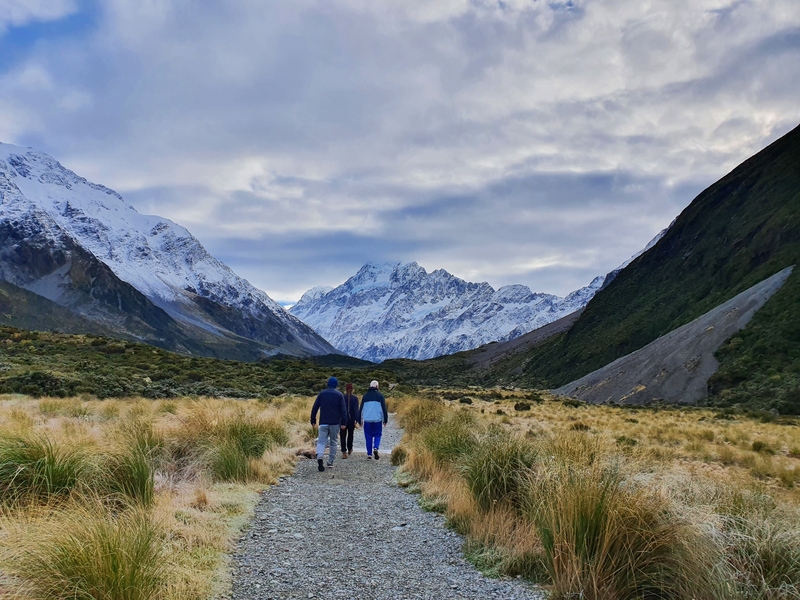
x=346 y=435
x=372 y=416
x=332 y=419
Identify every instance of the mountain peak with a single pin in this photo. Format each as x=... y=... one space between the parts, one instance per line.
x=158 y=258
x=400 y=310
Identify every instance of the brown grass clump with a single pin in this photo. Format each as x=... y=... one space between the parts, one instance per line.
x=604 y=503
x=129 y=499
x=606 y=539
x=416 y=415
x=35 y=468
x=84 y=551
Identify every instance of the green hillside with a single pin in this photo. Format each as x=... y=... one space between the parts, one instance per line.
x=55 y=364
x=736 y=233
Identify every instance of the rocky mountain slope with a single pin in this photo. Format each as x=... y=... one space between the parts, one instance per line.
x=676 y=367
x=401 y=310
x=82 y=246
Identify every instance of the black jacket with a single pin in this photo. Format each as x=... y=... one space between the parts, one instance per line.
x=331 y=407
x=352 y=409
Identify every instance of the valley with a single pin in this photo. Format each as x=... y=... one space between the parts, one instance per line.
x=379 y=300
x=637 y=438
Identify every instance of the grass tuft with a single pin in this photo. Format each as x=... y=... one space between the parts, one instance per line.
x=34 y=468
x=419 y=414
x=496 y=472
x=226 y=441
x=764 y=555
x=399 y=456
x=88 y=553
x=605 y=539
x=451 y=439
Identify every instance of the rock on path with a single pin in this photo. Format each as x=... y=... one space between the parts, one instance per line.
x=351 y=532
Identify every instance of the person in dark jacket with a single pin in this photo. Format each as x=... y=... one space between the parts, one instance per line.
x=372 y=415
x=346 y=435
x=332 y=419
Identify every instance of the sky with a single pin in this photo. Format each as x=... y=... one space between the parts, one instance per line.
x=514 y=141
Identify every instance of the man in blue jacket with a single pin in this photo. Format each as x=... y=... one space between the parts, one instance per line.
x=372 y=415
x=332 y=418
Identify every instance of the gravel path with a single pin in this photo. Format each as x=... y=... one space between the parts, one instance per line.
x=351 y=532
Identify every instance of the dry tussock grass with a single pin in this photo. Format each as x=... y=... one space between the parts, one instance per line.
x=106 y=456
x=613 y=503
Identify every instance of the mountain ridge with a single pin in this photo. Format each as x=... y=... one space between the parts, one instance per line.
x=49 y=216
x=399 y=310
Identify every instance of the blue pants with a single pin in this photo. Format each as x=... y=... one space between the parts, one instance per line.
x=373 y=431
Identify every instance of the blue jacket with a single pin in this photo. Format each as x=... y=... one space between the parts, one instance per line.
x=352 y=409
x=331 y=407
x=373 y=408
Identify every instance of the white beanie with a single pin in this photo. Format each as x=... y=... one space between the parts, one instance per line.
x=373 y=384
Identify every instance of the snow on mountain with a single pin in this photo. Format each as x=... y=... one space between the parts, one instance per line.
x=400 y=310
x=160 y=259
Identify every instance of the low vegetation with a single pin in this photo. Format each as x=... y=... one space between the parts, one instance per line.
x=134 y=499
x=45 y=364
x=609 y=503
x=599 y=502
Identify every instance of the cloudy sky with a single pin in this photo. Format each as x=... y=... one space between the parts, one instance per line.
x=513 y=141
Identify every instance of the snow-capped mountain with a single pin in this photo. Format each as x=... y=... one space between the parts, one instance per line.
x=401 y=310
x=51 y=219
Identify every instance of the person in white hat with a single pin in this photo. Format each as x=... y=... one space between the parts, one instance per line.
x=372 y=416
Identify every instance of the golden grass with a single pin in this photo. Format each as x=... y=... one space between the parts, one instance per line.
x=103 y=511
x=609 y=503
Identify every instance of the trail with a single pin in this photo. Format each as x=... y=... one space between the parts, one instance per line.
x=351 y=532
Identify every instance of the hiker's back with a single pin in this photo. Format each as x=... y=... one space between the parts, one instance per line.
x=372 y=406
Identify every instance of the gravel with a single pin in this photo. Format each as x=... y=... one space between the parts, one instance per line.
x=351 y=532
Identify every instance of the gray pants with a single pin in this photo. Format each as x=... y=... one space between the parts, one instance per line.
x=328 y=435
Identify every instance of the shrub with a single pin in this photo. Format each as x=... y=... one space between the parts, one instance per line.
x=90 y=553
x=452 y=438
x=520 y=406
x=764 y=553
x=32 y=467
x=420 y=414
x=399 y=456
x=602 y=538
x=497 y=470
x=572 y=402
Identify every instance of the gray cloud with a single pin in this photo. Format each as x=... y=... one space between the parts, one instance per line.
x=552 y=231
x=539 y=143
x=16 y=13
